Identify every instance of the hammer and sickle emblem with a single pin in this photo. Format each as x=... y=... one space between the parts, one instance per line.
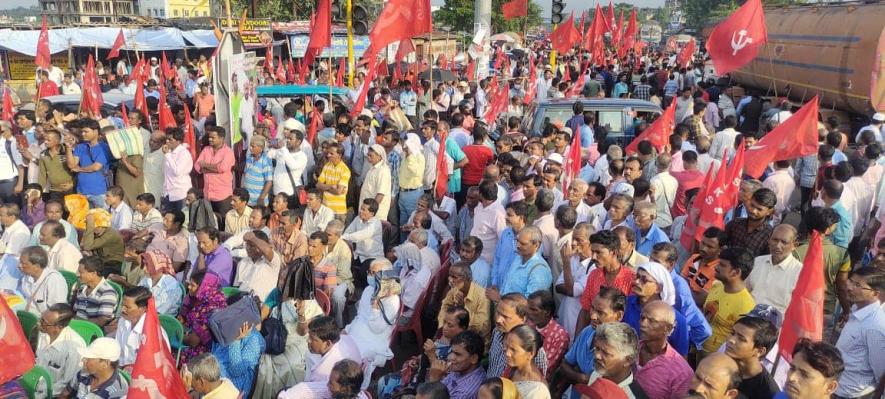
x=739 y=40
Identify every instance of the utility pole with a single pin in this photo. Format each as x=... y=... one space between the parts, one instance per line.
x=482 y=20
x=351 y=65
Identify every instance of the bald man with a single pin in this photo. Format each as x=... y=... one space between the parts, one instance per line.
x=774 y=276
x=661 y=371
x=717 y=377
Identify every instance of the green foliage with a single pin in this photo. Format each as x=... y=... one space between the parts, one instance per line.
x=699 y=13
x=291 y=10
x=459 y=15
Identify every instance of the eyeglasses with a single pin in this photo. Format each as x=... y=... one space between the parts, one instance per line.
x=45 y=323
x=856 y=284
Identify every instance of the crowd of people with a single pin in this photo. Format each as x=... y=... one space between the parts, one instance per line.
x=352 y=236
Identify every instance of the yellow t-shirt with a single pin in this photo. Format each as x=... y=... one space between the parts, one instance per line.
x=336 y=175
x=722 y=310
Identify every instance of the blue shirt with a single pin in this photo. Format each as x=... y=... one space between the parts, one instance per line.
x=698 y=327
x=239 y=360
x=526 y=278
x=575 y=122
x=620 y=88
x=580 y=354
x=454 y=151
x=92 y=183
x=678 y=338
x=505 y=252
x=480 y=270
x=654 y=236
x=839 y=157
x=258 y=172
x=586 y=135
x=845 y=228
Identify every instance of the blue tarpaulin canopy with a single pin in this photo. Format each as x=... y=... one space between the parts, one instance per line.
x=298 y=90
x=141 y=39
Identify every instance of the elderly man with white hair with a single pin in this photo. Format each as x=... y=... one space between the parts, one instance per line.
x=340 y=254
x=617 y=342
x=601 y=167
x=428 y=255
x=577 y=190
x=647 y=232
x=414 y=275
x=203 y=376
x=377 y=183
x=529 y=272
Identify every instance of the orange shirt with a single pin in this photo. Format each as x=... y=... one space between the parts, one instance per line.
x=700 y=276
x=205 y=105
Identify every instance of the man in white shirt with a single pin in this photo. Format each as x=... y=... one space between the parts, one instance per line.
x=69 y=86
x=875 y=126
x=259 y=271
x=663 y=188
x=576 y=193
x=377 y=182
x=15 y=233
x=130 y=325
x=62 y=255
x=316 y=215
x=291 y=162
x=489 y=219
x=121 y=213
x=11 y=164
x=577 y=264
x=774 y=276
x=57 y=346
x=543 y=85
x=258 y=218
x=366 y=233
x=41 y=287
x=857 y=196
x=784 y=188
x=54 y=213
x=724 y=138
x=428 y=255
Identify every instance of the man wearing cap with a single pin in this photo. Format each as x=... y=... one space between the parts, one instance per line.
x=99 y=377
x=377 y=183
x=875 y=126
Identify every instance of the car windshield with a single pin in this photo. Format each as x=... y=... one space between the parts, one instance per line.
x=611 y=119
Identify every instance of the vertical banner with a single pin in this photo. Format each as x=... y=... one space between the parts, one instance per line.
x=242 y=78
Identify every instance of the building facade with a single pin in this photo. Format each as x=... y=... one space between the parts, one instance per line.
x=87 y=11
x=175 y=8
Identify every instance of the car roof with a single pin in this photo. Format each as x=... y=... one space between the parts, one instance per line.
x=109 y=98
x=601 y=103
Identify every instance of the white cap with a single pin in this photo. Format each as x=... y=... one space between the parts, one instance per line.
x=292 y=124
x=103 y=348
x=555 y=157
x=879 y=117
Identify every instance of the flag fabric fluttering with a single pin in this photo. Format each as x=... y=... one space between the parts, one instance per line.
x=686 y=55
x=595 y=39
x=154 y=375
x=793 y=138
x=658 y=133
x=364 y=90
x=515 y=9
x=124 y=115
x=42 y=58
x=320 y=31
x=339 y=78
x=572 y=165
x=91 y=98
x=736 y=40
x=720 y=196
x=804 y=317
x=119 y=42
x=565 y=35
x=691 y=220
x=15 y=352
x=8 y=109
x=629 y=39
x=166 y=118
x=399 y=20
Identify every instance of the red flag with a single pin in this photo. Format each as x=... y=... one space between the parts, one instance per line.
x=189 y=137
x=618 y=31
x=629 y=39
x=118 y=44
x=268 y=59
x=471 y=69
x=564 y=37
x=735 y=41
x=91 y=99
x=796 y=137
x=15 y=353
x=572 y=161
x=154 y=374
x=320 y=31
x=442 y=167
x=42 y=58
x=686 y=54
x=291 y=73
x=610 y=18
x=658 y=133
x=405 y=48
x=339 y=80
x=8 y=110
x=281 y=70
x=124 y=115
x=532 y=89
x=595 y=39
x=804 y=317
x=581 y=24
x=364 y=90
x=167 y=119
x=139 y=101
x=400 y=19
x=167 y=71
x=691 y=220
x=721 y=195
x=315 y=121
x=515 y=8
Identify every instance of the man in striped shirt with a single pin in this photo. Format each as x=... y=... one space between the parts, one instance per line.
x=96 y=300
x=258 y=176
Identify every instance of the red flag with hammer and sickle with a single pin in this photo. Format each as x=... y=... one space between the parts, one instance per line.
x=736 y=40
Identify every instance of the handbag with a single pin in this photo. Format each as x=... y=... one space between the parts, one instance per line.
x=274 y=332
x=225 y=323
x=297 y=190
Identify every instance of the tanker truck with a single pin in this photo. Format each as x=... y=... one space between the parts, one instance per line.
x=835 y=51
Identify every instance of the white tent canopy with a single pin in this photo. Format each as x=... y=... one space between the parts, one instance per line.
x=141 y=39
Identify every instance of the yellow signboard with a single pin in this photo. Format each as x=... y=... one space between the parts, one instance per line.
x=22 y=67
x=255 y=32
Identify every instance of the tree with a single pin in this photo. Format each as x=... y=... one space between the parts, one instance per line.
x=699 y=13
x=291 y=10
x=459 y=14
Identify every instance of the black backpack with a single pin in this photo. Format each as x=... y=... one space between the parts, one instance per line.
x=274 y=331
